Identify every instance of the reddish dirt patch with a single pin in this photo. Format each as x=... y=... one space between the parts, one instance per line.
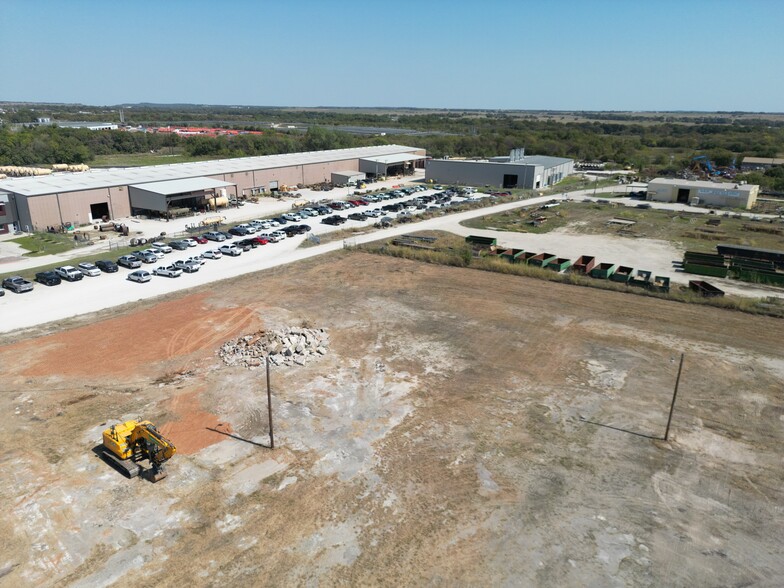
x=132 y=343
x=194 y=428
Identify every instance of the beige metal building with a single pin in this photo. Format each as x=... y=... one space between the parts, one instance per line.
x=62 y=199
x=703 y=193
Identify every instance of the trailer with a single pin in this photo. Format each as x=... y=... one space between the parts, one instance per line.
x=542 y=259
x=623 y=274
x=705 y=289
x=642 y=279
x=558 y=264
x=603 y=271
x=584 y=264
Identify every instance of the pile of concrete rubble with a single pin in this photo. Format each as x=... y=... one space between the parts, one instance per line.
x=291 y=346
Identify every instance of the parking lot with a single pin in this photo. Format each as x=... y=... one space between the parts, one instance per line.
x=68 y=299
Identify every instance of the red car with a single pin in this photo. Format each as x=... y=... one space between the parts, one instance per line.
x=200 y=239
x=259 y=240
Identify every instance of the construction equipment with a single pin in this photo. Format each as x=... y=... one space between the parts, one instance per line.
x=127 y=444
x=705 y=161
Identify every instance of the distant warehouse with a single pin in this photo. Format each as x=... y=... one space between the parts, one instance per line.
x=703 y=193
x=514 y=171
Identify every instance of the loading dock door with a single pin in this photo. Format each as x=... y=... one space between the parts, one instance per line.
x=510 y=181
x=99 y=210
x=683 y=195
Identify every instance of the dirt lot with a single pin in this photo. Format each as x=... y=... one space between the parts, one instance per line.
x=447 y=437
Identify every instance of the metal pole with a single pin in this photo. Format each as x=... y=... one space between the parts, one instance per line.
x=674 y=395
x=269 y=406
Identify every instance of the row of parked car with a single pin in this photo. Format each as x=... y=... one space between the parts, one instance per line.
x=154 y=254
x=254 y=233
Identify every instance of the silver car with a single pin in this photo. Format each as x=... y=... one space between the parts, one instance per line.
x=140 y=276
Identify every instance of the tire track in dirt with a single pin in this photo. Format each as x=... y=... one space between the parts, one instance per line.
x=191 y=336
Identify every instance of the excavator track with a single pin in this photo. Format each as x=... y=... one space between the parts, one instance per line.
x=126 y=466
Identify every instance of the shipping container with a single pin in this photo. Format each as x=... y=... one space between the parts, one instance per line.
x=559 y=264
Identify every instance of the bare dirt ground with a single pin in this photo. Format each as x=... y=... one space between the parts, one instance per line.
x=447 y=437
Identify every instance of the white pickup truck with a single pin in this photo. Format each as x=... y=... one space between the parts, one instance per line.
x=69 y=272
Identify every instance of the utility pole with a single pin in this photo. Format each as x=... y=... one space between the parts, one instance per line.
x=674 y=395
x=269 y=406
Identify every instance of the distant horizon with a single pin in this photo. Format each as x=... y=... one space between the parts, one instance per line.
x=399 y=107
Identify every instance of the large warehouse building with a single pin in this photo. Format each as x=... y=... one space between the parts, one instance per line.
x=703 y=193
x=515 y=171
x=62 y=199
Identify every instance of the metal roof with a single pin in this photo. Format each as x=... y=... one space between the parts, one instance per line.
x=349 y=173
x=541 y=160
x=171 y=187
x=764 y=160
x=105 y=178
x=393 y=159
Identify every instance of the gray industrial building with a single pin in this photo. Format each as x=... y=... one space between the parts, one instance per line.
x=62 y=199
x=703 y=193
x=513 y=171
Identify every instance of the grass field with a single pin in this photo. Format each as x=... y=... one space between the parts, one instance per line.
x=687 y=229
x=40 y=244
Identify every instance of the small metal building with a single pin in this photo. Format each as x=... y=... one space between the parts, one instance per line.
x=531 y=172
x=703 y=193
x=347 y=177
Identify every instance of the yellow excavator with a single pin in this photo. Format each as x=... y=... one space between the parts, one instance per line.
x=127 y=444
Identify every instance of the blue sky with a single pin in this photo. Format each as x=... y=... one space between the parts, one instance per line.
x=556 y=54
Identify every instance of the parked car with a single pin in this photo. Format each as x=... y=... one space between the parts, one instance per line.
x=357 y=216
x=279 y=234
x=161 y=246
x=190 y=242
x=129 y=261
x=17 y=284
x=178 y=245
x=140 y=276
x=145 y=256
x=232 y=250
x=215 y=236
x=155 y=252
x=89 y=269
x=200 y=240
x=280 y=220
x=226 y=234
x=269 y=237
x=304 y=229
x=322 y=210
x=170 y=271
x=48 y=278
x=106 y=265
x=259 y=240
x=197 y=259
x=188 y=266
x=239 y=231
x=334 y=220
x=212 y=254
x=250 y=242
x=292 y=217
x=248 y=227
x=69 y=272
